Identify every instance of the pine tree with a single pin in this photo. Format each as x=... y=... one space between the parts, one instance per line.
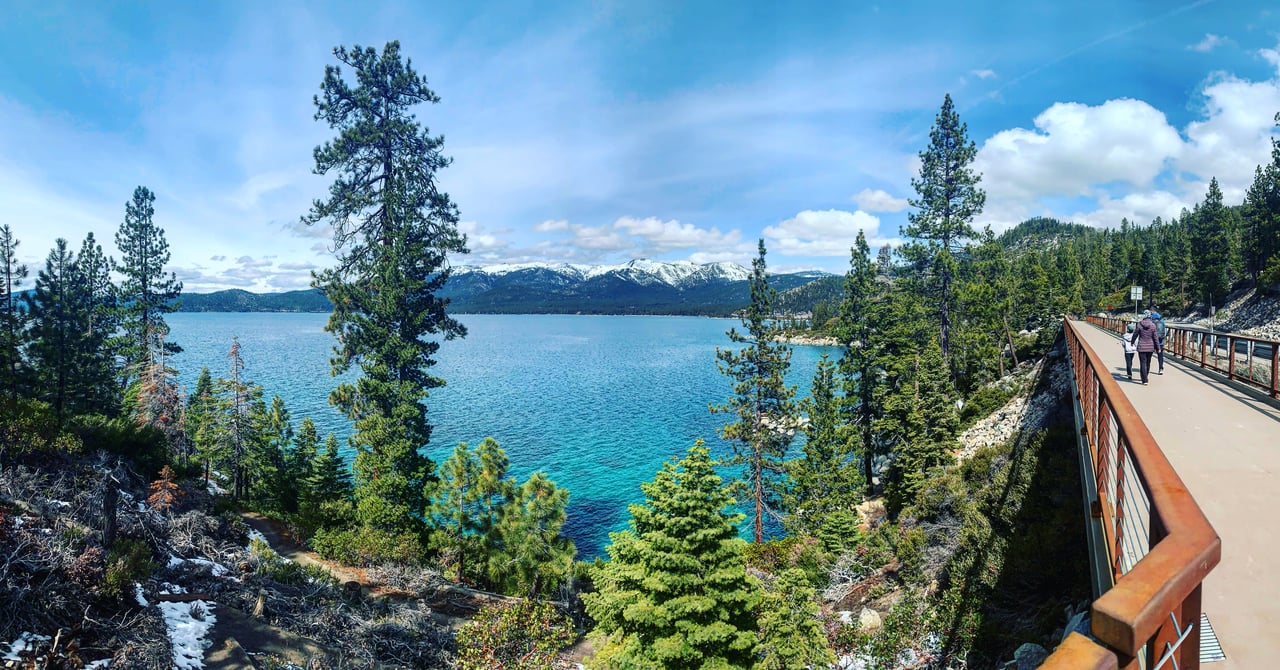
x=328 y=488
x=306 y=446
x=534 y=557
x=157 y=398
x=1210 y=237
x=987 y=296
x=948 y=200
x=58 y=324
x=920 y=415
x=675 y=593
x=202 y=424
x=453 y=512
x=791 y=634
x=273 y=476
x=395 y=229
x=164 y=492
x=242 y=415
x=762 y=404
x=146 y=294
x=97 y=366
x=861 y=369
x=826 y=478
x=12 y=317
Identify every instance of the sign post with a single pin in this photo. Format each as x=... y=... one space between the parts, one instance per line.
x=1135 y=294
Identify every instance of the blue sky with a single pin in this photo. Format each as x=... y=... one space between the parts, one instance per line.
x=596 y=132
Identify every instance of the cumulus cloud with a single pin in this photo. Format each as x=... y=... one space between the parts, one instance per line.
x=1208 y=43
x=662 y=236
x=551 y=226
x=879 y=200
x=829 y=232
x=1100 y=152
x=480 y=240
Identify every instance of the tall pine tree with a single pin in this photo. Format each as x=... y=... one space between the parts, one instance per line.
x=762 y=405
x=948 y=198
x=861 y=369
x=394 y=229
x=59 y=321
x=1211 y=239
x=146 y=293
x=12 y=317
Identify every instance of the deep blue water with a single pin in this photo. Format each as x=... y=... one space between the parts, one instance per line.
x=598 y=402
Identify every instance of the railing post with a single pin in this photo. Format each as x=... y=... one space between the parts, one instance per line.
x=1231 y=357
x=1275 y=365
x=1203 y=344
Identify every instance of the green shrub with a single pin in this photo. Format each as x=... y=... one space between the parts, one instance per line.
x=366 y=546
x=271 y=565
x=524 y=635
x=144 y=444
x=30 y=425
x=776 y=556
x=128 y=561
x=983 y=402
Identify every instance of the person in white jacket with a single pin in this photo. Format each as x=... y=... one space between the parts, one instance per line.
x=1129 y=350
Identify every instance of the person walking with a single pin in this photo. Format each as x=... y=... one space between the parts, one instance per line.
x=1161 y=329
x=1129 y=350
x=1144 y=336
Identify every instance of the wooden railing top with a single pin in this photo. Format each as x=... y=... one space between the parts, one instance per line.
x=1130 y=613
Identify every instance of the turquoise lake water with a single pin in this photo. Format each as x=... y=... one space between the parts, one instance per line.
x=598 y=402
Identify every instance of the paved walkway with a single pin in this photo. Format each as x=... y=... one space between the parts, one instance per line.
x=1225 y=444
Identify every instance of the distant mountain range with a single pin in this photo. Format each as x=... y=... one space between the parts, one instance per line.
x=637 y=287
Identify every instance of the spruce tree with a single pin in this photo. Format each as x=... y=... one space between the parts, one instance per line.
x=948 y=198
x=202 y=424
x=12 y=317
x=146 y=293
x=328 y=487
x=453 y=512
x=275 y=476
x=762 y=405
x=242 y=416
x=675 y=593
x=791 y=634
x=987 y=294
x=306 y=446
x=394 y=229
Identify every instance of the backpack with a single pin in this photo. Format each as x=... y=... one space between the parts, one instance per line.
x=1160 y=328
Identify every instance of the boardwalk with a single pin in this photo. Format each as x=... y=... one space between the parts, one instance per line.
x=1225 y=444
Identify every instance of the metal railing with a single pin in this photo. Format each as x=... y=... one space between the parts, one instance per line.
x=1251 y=360
x=1152 y=544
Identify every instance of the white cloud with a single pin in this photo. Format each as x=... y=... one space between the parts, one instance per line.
x=1207 y=44
x=479 y=240
x=551 y=226
x=663 y=236
x=879 y=200
x=829 y=232
x=983 y=74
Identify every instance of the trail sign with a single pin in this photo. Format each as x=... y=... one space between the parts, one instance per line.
x=1135 y=293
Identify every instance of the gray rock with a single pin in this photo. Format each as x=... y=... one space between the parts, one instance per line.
x=1029 y=656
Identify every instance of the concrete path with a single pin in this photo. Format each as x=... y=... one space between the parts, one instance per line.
x=1225 y=444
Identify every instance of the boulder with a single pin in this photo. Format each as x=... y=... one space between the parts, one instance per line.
x=868 y=620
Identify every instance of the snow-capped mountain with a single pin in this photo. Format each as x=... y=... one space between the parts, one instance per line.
x=640 y=286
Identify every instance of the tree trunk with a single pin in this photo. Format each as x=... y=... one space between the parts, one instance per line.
x=1013 y=350
x=108 y=511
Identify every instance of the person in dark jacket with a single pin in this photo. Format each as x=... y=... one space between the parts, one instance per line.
x=1161 y=330
x=1144 y=335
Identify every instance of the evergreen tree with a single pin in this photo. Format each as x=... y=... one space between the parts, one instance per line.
x=920 y=416
x=306 y=446
x=534 y=557
x=146 y=294
x=861 y=370
x=12 y=317
x=97 y=366
x=274 y=475
x=157 y=398
x=242 y=415
x=826 y=478
x=328 y=487
x=453 y=512
x=202 y=424
x=762 y=404
x=987 y=297
x=58 y=325
x=948 y=200
x=1211 y=239
x=495 y=493
x=675 y=593
x=791 y=634
x=394 y=229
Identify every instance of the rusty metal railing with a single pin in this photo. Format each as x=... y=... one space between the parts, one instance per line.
x=1149 y=598
x=1251 y=360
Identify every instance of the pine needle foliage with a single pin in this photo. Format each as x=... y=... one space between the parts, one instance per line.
x=763 y=406
x=675 y=593
x=393 y=231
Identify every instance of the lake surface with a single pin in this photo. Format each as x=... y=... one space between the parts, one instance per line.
x=598 y=402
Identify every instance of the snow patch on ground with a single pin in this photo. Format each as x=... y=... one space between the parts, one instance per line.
x=217 y=569
x=104 y=663
x=139 y=595
x=255 y=535
x=27 y=641
x=187 y=632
